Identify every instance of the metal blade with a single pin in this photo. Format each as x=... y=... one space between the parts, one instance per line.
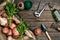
x=43 y=27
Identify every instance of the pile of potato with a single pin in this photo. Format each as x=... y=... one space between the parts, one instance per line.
x=9 y=31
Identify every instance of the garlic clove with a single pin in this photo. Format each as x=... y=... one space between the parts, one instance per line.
x=3 y=21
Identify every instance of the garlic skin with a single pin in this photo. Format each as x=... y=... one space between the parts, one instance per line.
x=9 y=38
x=25 y=37
x=15 y=33
x=3 y=21
x=5 y=30
x=30 y=34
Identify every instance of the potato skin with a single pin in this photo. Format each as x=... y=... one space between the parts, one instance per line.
x=13 y=26
x=15 y=33
x=6 y=25
x=9 y=33
x=37 y=31
x=5 y=30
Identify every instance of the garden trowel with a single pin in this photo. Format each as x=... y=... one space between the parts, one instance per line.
x=44 y=29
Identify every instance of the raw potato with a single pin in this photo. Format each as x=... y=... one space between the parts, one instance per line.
x=13 y=26
x=15 y=33
x=37 y=31
x=5 y=30
x=6 y=25
x=9 y=33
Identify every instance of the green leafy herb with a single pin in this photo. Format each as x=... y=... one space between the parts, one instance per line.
x=22 y=28
x=11 y=10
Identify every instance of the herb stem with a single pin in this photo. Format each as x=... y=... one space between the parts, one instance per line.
x=21 y=37
x=9 y=21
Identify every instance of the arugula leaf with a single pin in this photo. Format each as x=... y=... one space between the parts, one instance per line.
x=22 y=28
x=11 y=10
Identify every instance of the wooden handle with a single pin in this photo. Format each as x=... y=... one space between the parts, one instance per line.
x=58 y=29
x=49 y=38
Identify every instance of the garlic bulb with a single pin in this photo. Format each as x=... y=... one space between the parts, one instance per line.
x=9 y=38
x=25 y=37
x=3 y=21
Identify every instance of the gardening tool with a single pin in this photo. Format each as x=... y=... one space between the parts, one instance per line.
x=55 y=26
x=38 y=13
x=44 y=29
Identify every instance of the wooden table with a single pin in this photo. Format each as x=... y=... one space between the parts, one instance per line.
x=46 y=18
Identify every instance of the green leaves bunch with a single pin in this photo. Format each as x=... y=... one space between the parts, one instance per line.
x=22 y=28
x=11 y=9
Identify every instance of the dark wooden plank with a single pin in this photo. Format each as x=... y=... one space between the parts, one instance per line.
x=29 y=14
x=39 y=20
x=38 y=23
